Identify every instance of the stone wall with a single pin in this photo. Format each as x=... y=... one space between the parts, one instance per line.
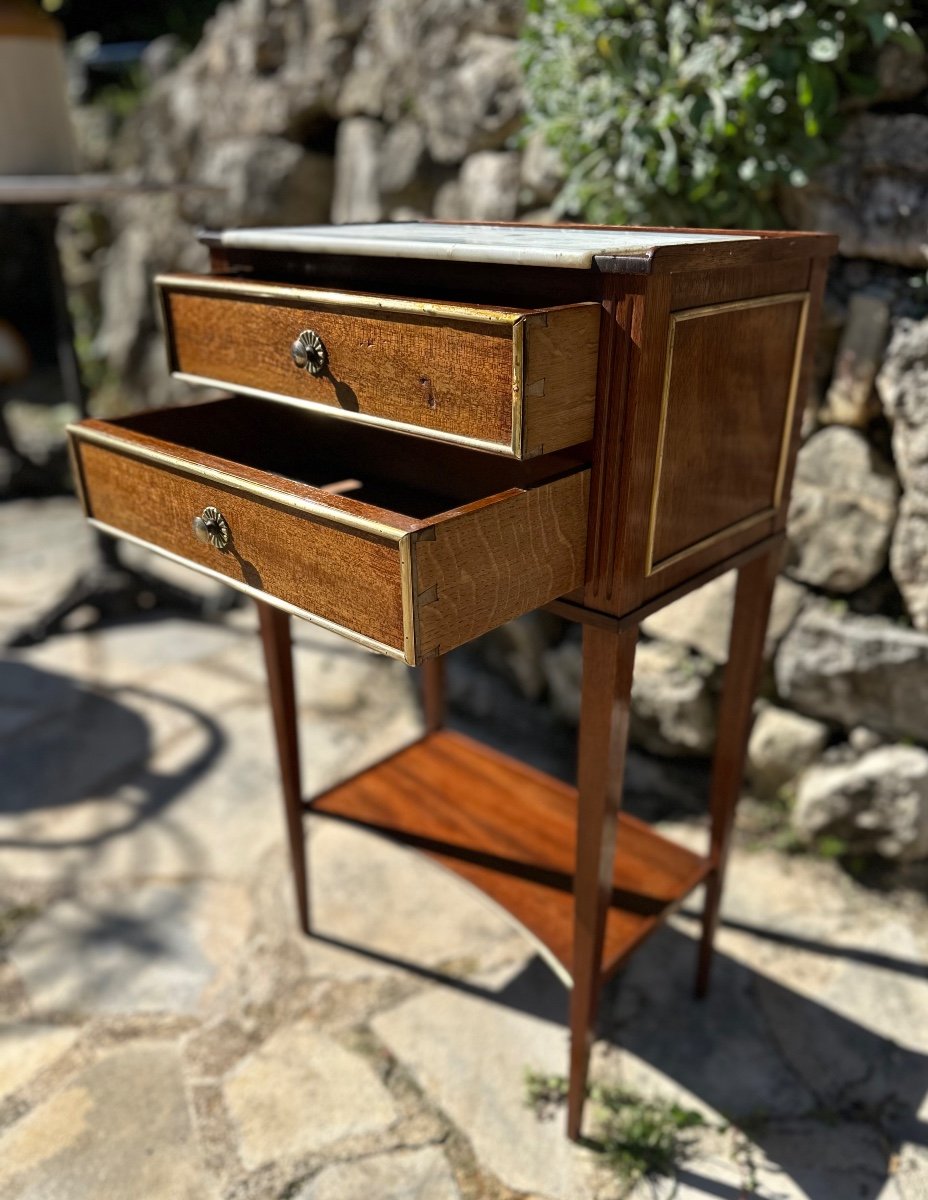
x=308 y=110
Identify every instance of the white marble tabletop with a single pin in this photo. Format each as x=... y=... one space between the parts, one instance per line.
x=514 y=245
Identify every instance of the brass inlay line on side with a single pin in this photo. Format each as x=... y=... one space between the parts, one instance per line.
x=256 y=593
x=742 y=523
x=738 y=526
x=315 y=508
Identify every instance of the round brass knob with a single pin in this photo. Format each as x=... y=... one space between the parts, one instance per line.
x=211 y=528
x=309 y=353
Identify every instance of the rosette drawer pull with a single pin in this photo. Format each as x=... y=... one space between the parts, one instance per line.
x=309 y=353
x=211 y=528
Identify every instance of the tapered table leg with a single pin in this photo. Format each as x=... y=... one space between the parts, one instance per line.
x=736 y=713
x=432 y=686
x=278 y=660
x=608 y=661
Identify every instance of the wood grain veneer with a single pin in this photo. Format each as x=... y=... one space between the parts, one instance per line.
x=509 y=380
x=317 y=566
x=403 y=568
x=484 y=567
x=731 y=374
x=512 y=832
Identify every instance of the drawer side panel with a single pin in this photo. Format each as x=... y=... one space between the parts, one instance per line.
x=561 y=351
x=502 y=560
x=344 y=576
x=726 y=416
x=454 y=377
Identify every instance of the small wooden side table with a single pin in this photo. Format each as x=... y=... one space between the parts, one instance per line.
x=437 y=428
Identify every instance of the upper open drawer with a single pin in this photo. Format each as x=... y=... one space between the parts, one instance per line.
x=512 y=381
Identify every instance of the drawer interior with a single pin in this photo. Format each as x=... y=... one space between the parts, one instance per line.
x=398 y=473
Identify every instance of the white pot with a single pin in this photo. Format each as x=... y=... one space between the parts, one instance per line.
x=35 y=125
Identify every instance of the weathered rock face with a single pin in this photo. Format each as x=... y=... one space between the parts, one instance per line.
x=454 y=65
x=486 y=190
x=782 y=744
x=903 y=388
x=702 y=619
x=856 y=670
x=875 y=196
x=265 y=180
x=674 y=695
x=842 y=511
x=878 y=804
x=850 y=399
x=673 y=701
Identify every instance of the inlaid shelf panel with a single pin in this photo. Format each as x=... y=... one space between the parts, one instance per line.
x=510 y=830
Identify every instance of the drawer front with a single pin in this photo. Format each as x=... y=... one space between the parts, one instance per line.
x=515 y=382
x=349 y=579
x=404 y=587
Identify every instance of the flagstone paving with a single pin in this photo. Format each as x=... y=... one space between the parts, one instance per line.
x=166 y=1033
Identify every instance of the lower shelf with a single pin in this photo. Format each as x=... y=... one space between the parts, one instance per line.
x=511 y=830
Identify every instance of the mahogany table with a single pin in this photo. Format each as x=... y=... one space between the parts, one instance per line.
x=436 y=428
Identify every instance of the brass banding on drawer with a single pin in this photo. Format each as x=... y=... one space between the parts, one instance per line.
x=512 y=381
x=408 y=557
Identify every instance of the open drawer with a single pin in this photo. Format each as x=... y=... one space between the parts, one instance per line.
x=513 y=381
x=409 y=549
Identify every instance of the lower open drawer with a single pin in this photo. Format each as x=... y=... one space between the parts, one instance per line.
x=409 y=548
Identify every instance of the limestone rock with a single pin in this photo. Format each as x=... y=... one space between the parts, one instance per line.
x=856 y=670
x=842 y=511
x=782 y=744
x=516 y=651
x=470 y=1056
x=902 y=385
x=98 y=958
x=908 y=556
x=702 y=619
x=673 y=701
x=875 y=196
x=476 y=103
x=563 y=668
x=26 y=1049
x=300 y=1091
x=452 y=63
x=120 y=1129
x=489 y=186
x=403 y=163
x=404 y=1175
x=850 y=399
x=357 y=171
x=542 y=170
x=876 y=804
x=265 y=181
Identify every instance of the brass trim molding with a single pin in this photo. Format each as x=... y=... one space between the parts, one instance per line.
x=517 y=415
x=407 y=549
x=255 y=594
x=312 y=508
x=743 y=523
x=358 y=301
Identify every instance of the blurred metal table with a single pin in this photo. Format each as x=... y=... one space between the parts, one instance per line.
x=109 y=586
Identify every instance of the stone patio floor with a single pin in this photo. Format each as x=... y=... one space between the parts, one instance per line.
x=168 y=1035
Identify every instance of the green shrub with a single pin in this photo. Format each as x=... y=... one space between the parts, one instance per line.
x=684 y=112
